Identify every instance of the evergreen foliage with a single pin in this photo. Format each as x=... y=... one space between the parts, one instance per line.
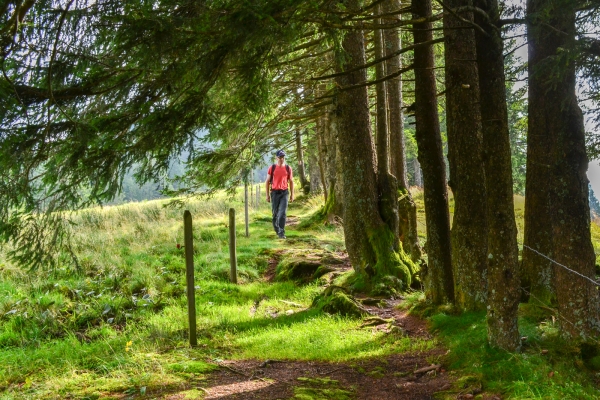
x=99 y=96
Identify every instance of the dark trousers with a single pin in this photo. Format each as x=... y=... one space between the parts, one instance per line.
x=279 y=204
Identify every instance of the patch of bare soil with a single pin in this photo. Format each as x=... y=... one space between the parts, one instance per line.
x=269 y=274
x=399 y=376
x=292 y=221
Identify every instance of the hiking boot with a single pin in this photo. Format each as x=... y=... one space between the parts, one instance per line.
x=282 y=237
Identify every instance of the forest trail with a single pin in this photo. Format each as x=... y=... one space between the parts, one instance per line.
x=415 y=375
x=392 y=377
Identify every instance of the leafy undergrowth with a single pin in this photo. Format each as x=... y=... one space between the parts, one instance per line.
x=548 y=367
x=116 y=326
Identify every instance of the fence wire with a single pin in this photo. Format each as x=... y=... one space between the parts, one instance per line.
x=563 y=266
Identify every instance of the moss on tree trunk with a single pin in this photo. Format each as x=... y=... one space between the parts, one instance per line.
x=407 y=210
x=370 y=241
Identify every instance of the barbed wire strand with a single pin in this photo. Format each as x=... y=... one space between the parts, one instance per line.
x=559 y=264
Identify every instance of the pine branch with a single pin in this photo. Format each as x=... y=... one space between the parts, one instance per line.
x=382 y=59
x=376 y=81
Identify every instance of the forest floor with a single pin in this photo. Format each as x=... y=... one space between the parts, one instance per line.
x=406 y=376
x=399 y=376
x=116 y=327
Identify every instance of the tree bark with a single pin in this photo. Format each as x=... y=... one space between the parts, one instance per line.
x=553 y=108
x=502 y=269
x=418 y=173
x=338 y=190
x=300 y=156
x=369 y=240
x=321 y=132
x=334 y=197
x=407 y=210
x=467 y=177
x=543 y=113
x=387 y=184
x=314 y=171
x=437 y=276
x=382 y=139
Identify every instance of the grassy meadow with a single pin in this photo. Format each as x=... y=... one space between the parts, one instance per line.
x=116 y=325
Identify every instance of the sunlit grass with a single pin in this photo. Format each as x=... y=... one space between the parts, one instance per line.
x=321 y=337
x=547 y=368
x=116 y=324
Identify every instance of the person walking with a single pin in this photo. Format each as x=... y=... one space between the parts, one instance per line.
x=279 y=178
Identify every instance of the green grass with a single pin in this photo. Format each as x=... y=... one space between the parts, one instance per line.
x=321 y=389
x=116 y=325
x=547 y=368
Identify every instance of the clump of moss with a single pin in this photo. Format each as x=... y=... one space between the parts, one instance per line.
x=337 y=300
x=389 y=262
x=320 y=388
x=386 y=286
x=297 y=268
x=306 y=265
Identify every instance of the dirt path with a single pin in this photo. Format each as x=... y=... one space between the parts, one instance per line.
x=391 y=377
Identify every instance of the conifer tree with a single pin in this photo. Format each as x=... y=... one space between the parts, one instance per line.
x=467 y=177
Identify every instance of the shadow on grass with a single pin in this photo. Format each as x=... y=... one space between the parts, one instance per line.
x=280 y=321
x=547 y=367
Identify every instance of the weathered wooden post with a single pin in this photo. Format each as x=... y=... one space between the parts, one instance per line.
x=189 y=274
x=246 y=208
x=252 y=197
x=232 y=245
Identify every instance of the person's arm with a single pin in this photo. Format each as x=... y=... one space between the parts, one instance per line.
x=291 y=181
x=268 y=187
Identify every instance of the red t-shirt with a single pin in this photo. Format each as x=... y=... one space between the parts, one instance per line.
x=280 y=176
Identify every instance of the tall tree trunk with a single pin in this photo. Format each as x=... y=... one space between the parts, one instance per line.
x=320 y=147
x=503 y=253
x=407 y=210
x=439 y=285
x=418 y=176
x=543 y=113
x=300 y=156
x=334 y=199
x=387 y=184
x=382 y=139
x=369 y=240
x=314 y=171
x=553 y=108
x=467 y=177
x=338 y=190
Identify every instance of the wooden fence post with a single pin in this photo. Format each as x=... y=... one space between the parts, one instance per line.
x=246 y=209
x=232 y=245
x=189 y=274
x=252 y=197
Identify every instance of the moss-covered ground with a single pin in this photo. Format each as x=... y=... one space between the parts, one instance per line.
x=116 y=327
